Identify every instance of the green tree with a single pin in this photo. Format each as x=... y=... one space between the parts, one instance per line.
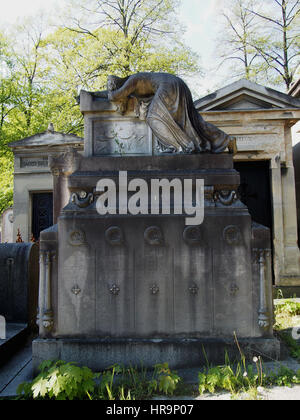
x=264 y=36
x=8 y=103
x=238 y=29
x=124 y=37
x=279 y=44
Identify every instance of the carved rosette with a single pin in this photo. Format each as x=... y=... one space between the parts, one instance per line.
x=192 y=235
x=153 y=236
x=232 y=235
x=114 y=236
x=77 y=238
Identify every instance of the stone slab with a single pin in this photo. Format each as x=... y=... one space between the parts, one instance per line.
x=17 y=369
x=16 y=335
x=183 y=353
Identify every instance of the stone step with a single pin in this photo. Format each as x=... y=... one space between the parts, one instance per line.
x=16 y=335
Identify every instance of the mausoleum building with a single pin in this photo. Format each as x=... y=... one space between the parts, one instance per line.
x=33 y=181
x=261 y=118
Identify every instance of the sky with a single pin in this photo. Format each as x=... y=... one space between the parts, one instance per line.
x=198 y=17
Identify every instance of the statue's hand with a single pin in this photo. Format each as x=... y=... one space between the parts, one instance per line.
x=122 y=106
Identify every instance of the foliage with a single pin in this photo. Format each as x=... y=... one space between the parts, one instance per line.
x=279 y=42
x=60 y=381
x=289 y=307
x=117 y=37
x=233 y=379
x=6 y=183
x=238 y=29
x=240 y=378
x=166 y=379
x=293 y=346
x=119 y=382
x=66 y=381
x=264 y=37
x=287 y=314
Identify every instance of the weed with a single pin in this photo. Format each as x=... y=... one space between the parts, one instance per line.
x=67 y=381
x=60 y=381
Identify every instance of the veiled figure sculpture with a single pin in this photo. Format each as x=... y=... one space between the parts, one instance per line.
x=165 y=102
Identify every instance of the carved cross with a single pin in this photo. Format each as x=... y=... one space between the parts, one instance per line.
x=194 y=290
x=114 y=290
x=76 y=290
x=154 y=289
x=234 y=289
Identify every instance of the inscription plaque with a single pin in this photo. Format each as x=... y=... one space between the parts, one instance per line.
x=34 y=162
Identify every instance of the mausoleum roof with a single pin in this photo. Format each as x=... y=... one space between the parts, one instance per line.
x=47 y=138
x=244 y=95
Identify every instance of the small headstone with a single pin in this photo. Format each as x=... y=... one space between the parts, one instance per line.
x=2 y=328
x=7 y=226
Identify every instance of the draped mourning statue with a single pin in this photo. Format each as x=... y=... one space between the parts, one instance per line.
x=165 y=102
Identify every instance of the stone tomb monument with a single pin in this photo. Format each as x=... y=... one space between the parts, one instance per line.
x=148 y=288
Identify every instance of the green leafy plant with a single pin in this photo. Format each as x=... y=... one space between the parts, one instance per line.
x=166 y=379
x=292 y=344
x=123 y=383
x=241 y=379
x=60 y=381
x=66 y=381
x=289 y=307
x=227 y=378
x=284 y=377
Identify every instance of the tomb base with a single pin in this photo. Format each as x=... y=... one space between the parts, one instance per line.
x=99 y=354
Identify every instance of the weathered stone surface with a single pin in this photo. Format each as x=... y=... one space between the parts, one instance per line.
x=19 y=282
x=178 y=353
x=150 y=277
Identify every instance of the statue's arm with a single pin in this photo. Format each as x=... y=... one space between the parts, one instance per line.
x=123 y=92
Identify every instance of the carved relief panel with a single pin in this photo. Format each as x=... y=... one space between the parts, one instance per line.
x=126 y=137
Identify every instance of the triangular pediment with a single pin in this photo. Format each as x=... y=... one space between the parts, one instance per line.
x=47 y=138
x=245 y=95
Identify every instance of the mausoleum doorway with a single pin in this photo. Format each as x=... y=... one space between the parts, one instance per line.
x=42 y=212
x=255 y=190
